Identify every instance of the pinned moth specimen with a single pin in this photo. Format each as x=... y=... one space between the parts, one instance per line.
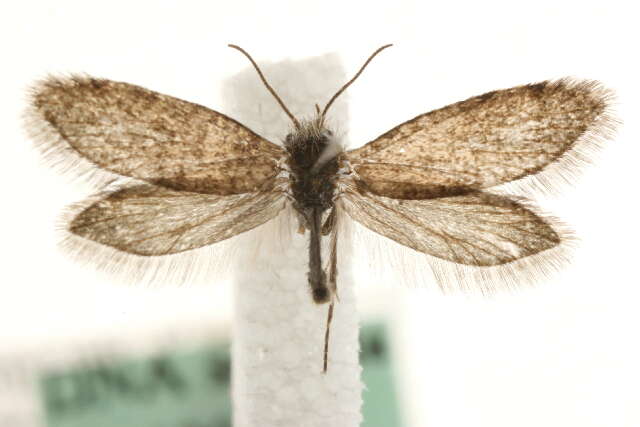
x=201 y=177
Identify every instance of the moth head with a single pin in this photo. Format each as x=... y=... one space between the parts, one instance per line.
x=312 y=129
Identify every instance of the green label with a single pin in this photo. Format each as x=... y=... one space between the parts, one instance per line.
x=182 y=389
x=190 y=389
x=380 y=402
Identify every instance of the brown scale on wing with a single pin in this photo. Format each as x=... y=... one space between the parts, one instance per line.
x=484 y=141
x=150 y=220
x=138 y=133
x=478 y=228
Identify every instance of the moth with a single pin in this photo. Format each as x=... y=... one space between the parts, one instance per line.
x=202 y=177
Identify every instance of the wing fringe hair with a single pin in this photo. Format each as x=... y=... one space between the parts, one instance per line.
x=391 y=262
x=194 y=266
x=565 y=171
x=528 y=271
x=56 y=153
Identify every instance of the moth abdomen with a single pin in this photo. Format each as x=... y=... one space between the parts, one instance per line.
x=320 y=293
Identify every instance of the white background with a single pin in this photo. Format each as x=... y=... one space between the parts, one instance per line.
x=562 y=354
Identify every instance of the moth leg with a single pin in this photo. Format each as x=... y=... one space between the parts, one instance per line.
x=329 y=223
x=317 y=276
x=302 y=223
x=326 y=338
x=333 y=287
x=333 y=257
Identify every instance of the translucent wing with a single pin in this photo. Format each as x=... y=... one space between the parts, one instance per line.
x=151 y=220
x=138 y=133
x=484 y=141
x=478 y=229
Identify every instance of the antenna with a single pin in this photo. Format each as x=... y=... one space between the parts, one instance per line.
x=268 y=86
x=343 y=88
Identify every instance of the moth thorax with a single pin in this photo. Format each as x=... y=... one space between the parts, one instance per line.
x=313 y=165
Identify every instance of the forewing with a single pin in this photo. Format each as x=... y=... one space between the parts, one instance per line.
x=478 y=229
x=151 y=220
x=138 y=133
x=484 y=141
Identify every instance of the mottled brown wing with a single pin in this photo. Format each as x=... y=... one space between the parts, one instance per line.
x=484 y=141
x=151 y=220
x=479 y=229
x=135 y=132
